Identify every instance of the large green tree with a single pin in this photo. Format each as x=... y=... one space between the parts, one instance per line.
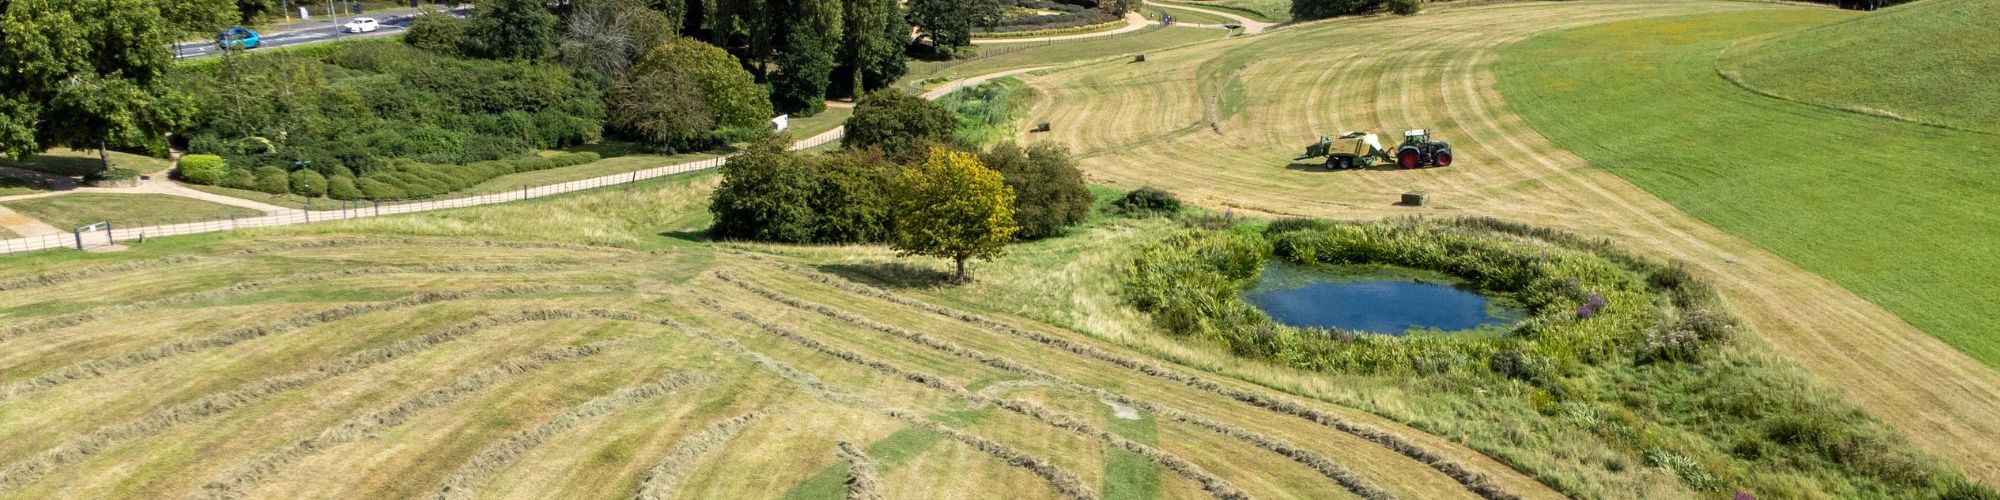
x=515 y=29
x=685 y=94
x=811 y=37
x=84 y=75
x=900 y=124
x=873 y=41
x=949 y=23
x=1049 y=194
x=199 y=17
x=607 y=36
x=1320 y=9
x=950 y=206
x=766 y=195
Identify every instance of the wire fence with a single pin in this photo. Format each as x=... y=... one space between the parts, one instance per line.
x=82 y=240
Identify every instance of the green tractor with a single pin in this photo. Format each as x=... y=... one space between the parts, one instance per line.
x=1418 y=150
x=1361 y=150
x=1354 y=150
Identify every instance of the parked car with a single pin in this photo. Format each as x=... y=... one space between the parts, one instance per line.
x=238 y=38
x=361 y=25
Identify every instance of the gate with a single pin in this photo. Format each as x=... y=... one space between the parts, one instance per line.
x=93 y=236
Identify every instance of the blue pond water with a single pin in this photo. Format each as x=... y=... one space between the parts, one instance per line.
x=1304 y=297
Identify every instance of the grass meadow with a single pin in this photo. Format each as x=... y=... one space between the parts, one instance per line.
x=128 y=210
x=1873 y=203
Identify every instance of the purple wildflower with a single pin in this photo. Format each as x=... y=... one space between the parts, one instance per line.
x=1585 y=312
x=1743 y=496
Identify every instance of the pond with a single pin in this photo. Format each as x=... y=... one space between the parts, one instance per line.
x=1373 y=299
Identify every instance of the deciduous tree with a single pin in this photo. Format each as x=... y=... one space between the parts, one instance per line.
x=766 y=195
x=1049 y=194
x=84 y=75
x=515 y=29
x=683 y=92
x=950 y=206
x=900 y=124
x=949 y=23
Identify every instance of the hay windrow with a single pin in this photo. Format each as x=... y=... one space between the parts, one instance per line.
x=235 y=483
x=101 y=367
x=862 y=481
x=25 y=472
x=60 y=277
x=661 y=480
x=1062 y=481
x=436 y=242
x=465 y=483
x=249 y=287
x=1216 y=486
x=1348 y=480
x=1477 y=482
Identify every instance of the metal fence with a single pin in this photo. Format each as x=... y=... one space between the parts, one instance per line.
x=365 y=209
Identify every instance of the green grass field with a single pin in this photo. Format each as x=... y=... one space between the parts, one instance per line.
x=1061 y=53
x=1912 y=61
x=127 y=210
x=1270 y=11
x=1898 y=212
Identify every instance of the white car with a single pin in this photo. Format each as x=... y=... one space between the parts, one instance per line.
x=361 y=25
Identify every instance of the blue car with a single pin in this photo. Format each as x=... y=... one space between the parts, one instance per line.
x=238 y=38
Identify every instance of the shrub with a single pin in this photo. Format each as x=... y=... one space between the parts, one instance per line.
x=903 y=126
x=437 y=33
x=1290 y=224
x=1405 y=7
x=342 y=188
x=206 y=170
x=240 y=178
x=1049 y=194
x=273 y=180
x=309 y=184
x=1305 y=10
x=375 y=189
x=1148 y=200
x=848 y=197
x=765 y=195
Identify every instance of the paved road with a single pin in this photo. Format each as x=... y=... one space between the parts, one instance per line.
x=395 y=21
x=1250 y=26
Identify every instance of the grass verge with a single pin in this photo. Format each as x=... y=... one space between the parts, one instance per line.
x=124 y=210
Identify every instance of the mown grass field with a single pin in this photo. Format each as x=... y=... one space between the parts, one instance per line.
x=1912 y=62
x=602 y=355
x=1177 y=122
x=1270 y=11
x=1897 y=212
x=128 y=210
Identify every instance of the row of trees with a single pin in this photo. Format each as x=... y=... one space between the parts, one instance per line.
x=899 y=181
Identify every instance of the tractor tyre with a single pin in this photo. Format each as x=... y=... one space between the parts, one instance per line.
x=1409 y=159
x=1443 y=159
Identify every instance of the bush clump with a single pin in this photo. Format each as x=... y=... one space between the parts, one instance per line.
x=903 y=126
x=206 y=170
x=343 y=188
x=1148 y=200
x=1049 y=193
x=1405 y=7
x=309 y=183
x=273 y=180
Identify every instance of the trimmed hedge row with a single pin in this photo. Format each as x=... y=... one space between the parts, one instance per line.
x=412 y=180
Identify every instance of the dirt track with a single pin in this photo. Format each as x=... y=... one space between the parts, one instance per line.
x=1138 y=125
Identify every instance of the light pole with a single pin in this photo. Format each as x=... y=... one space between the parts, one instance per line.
x=336 y=19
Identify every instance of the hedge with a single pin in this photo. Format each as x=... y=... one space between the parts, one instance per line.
x=206 y=170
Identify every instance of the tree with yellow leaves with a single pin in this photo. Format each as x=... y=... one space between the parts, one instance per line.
x=951 y=206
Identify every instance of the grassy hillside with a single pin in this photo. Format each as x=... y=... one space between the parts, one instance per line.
x=583 y=347
x=1931 y=61
x=1177 y=122
x=1898 y=212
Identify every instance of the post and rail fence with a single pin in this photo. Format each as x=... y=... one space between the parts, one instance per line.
x=120 y=233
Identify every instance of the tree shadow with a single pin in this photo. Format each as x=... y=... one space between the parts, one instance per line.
x=890 y=275
x=689 y=235
x=1320 y=167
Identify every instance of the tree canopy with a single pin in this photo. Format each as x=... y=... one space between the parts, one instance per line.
x=766 y=195
x=950 y=206
x=900 y=124
x=514 y=29
x=687 y=94
x=84 y=75
x=949 y=23
x=1049 y=194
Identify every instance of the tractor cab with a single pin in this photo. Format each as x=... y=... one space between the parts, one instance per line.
x=1416 y=136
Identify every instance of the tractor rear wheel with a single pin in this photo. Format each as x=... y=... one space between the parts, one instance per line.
x=1444 y=158
x=1409 y=159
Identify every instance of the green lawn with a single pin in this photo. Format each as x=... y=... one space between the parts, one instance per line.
x=1932 y=61
x=127 y=210
x=1060 y=53
x=1900 y=213
x=1270 y=11
x=10 y=186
